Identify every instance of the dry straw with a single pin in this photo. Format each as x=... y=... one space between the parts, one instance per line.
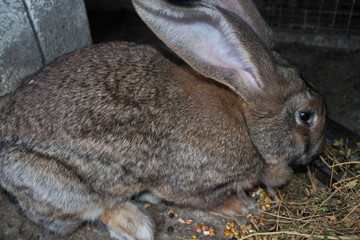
x=308 y=209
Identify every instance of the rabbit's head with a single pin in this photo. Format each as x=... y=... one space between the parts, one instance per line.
x=229 y=42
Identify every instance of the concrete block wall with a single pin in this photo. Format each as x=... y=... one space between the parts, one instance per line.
x=34 y=32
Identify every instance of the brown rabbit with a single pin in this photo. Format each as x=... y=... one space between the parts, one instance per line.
x=104 y=123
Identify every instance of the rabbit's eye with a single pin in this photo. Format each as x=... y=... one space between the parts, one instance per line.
x=306 y=117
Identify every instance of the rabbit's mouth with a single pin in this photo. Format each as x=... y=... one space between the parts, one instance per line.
x=310 y=153
x=318 y=149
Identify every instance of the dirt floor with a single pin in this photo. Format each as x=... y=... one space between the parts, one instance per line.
x=337 y=76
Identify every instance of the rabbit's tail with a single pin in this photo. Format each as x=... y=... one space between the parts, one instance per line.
x=127 y=221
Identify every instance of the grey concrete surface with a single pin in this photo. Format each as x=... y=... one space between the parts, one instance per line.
x=60 y=25
x=34 y=32
x=19 y=51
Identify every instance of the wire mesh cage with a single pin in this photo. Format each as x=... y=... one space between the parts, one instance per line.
x=322 y=16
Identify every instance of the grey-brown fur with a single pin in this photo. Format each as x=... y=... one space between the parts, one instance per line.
x=106 y=122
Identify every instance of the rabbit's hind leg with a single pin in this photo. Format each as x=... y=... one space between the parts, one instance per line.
x=47 y=192
x=126 y=221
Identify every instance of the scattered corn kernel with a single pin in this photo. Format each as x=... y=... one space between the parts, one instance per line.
x=180 y=220
x=194 y=236
x=198 y=228
x=172 y=214
x=227 y=232
x=230 y=225
x=205 y=228
x=212 y=232
x=188 y=222
x=147 y=204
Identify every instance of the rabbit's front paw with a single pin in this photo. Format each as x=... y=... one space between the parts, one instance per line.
x=125 y=221
x=236 y=204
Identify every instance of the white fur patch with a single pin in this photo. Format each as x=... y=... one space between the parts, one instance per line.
x=93 y=214
x=126 y=221
x=148 y=197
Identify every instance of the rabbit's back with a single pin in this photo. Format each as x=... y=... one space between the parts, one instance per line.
x=127 y=117
x=90 y=111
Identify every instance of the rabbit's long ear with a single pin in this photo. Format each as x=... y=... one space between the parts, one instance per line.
x=214 y=41
x=248 y=12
